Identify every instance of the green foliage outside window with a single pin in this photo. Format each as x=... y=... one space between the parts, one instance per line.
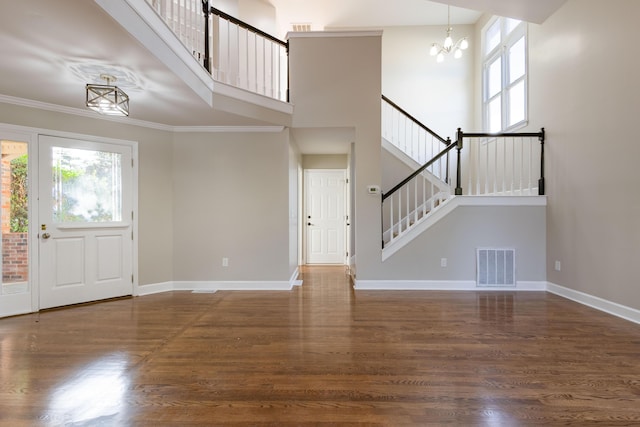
x=19 y=217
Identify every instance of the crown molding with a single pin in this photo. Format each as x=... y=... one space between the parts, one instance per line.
x=22 y=102
x=228 y=129
x=321 y=34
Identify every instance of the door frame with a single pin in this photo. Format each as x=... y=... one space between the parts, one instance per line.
x=31 y=302
x=303 y=222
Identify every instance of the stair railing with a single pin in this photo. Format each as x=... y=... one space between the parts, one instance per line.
x=413 y=138
x=232 y=51
x=414 y=198
x=504 y=163
x=248 y=58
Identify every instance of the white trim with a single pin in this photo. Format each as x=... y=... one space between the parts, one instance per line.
x=144 y=24
x=613 y=308
x=228 y=129
x=238 y=93
x=444 y=285
x=319 y=34
x=82 y=112
x=233 y=286
x=15 y=304
x=293 y=280
x=156 y=288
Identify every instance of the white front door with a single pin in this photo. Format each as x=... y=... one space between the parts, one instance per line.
x=325 y=217
x=85 y=228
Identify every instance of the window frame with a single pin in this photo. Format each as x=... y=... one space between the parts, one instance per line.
x=501 y=52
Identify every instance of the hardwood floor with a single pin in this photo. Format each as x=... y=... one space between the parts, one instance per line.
x=321 y=354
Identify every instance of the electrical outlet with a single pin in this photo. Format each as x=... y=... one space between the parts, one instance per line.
x=558 y=266
x=225 y=262
x=443 y=262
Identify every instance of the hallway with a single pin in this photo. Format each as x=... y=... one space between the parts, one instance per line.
x=321 y=353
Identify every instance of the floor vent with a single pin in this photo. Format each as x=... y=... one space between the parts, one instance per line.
x=496 y=267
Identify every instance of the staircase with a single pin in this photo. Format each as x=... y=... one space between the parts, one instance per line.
x=503 y=164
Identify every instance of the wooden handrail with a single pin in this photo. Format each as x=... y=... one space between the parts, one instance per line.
x=419 y=170
x=249 y=27
x=413 y=119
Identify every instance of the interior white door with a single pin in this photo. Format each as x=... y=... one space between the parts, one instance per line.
x=85 y=212
x=325 y=216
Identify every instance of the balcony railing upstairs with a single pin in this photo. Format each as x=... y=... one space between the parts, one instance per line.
x=234 y=52
x=504 y=164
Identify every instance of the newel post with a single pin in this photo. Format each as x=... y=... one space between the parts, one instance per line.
x=206 y=10
x=458 y=191
x=541 y=180
x=447 y=177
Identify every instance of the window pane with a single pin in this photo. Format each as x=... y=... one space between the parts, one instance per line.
x=15 y=218
x=87 y=185
x=516 y=104
x=495 y=115
x=510 y=25
x=492 y=37
x=517 y=61
x=494 y=79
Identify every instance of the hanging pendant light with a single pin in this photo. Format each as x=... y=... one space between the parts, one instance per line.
x=107 y=99
x=439 y=50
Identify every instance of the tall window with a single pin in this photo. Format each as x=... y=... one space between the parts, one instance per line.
x=504 y=49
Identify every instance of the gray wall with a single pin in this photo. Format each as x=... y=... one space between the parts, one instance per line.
x=466 y=228
x=325 y=161
x=202 y=197
x=335 y=82
x=155 y=191
x=584 y=90
x=231 y=199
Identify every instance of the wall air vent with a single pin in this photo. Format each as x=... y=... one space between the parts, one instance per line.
x=496 y=267
x=301 y=27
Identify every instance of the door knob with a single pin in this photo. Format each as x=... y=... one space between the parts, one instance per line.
x=46 y=235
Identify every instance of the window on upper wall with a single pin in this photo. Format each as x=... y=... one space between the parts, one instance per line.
x=504 y=74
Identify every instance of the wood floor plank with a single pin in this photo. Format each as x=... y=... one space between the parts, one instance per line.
x=321 y=354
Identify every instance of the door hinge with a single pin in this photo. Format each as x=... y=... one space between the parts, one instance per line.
x=132 y=215
x=131 y=234
x=131 y=162
x=132 y=278
x=347 y=180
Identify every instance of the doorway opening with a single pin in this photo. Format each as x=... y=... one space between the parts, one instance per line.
x=325 y=216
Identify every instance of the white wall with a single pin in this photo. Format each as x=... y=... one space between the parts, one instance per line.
x=440 y=95
x=258 y=13
x=584 y=90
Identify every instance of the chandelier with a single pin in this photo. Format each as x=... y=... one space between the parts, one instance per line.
x=107 y=99
x=438 y=50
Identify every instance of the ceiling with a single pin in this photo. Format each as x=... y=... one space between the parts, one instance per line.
x=51 y=49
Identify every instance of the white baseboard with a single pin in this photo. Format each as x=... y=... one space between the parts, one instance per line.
x=15 y=304
x=615 y=309
x=294 y=278
x=155 y=288
x=443 y=285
